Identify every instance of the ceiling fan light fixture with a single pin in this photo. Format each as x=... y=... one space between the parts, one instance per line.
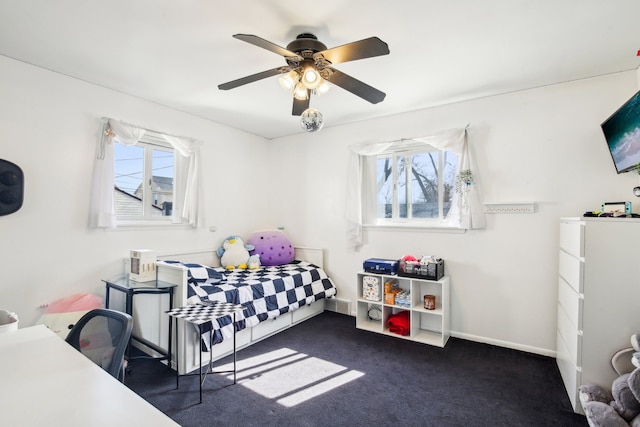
x=300 y=92
x=289 y=81
x=322 y=88
x=309 y=70
x=311 y=78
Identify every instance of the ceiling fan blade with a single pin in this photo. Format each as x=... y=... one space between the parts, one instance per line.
x=366 y=48
x=356 y=87
x=299 y=105
x=254 y=77
x=265 y=44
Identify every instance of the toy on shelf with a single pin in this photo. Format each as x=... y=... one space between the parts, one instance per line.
x=427 y=267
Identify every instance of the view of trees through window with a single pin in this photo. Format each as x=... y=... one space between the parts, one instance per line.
x=415 y=186
x=143 y=178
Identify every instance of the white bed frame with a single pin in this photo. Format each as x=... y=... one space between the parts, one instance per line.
x=152 y=321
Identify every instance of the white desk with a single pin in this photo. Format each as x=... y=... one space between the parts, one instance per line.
x=45 y=381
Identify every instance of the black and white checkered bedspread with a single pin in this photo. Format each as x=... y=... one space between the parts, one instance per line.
x=264 y=293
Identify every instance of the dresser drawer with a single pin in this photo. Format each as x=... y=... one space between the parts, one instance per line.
x=569 y=372
x=572 y=238
x=571 y=302
x=571 y=270
x=570 y=335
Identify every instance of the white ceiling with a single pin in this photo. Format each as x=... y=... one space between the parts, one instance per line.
x=176 y=52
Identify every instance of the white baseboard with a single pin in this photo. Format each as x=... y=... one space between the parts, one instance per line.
x=500 y=343
x=506 y=344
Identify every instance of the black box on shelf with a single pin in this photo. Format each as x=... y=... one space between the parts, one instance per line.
x=429 y=271
x=381 y=266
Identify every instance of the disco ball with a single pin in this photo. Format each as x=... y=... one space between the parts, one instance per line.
x=311 y=120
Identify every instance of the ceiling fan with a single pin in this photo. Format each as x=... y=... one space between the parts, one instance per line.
x=309 y=68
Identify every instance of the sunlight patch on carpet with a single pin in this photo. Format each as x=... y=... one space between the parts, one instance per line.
x=290 y=377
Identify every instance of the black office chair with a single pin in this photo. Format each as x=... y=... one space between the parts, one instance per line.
x=103 y=335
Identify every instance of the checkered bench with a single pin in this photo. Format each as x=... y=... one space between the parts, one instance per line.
x=199 y=314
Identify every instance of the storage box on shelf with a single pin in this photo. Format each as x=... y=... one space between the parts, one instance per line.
x=429 y=271
x=427 y=326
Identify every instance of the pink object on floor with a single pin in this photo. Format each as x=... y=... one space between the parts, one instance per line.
x=77 y=302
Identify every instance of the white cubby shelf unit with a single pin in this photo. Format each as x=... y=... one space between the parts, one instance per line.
x=427 y=326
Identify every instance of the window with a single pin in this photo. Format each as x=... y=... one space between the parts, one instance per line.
x=143 y=180
x=424 y=182
x=144 y=177
x=412 y=186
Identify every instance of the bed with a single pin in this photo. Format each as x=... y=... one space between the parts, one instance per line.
x=275 y=298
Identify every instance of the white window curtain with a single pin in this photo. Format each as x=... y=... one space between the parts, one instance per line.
x=187 y=205
x=466 y=208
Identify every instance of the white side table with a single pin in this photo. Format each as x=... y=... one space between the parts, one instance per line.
x=198 y=314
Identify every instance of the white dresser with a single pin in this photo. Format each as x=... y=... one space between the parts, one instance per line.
x=598 y=298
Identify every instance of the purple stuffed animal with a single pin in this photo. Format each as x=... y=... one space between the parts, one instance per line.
x=273 y=246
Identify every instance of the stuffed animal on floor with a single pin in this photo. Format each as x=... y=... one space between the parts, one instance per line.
x=62 y=314
x=621 y=405
x=234 y=253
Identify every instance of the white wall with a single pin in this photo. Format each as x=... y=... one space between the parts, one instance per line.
x=49 y=125
x=542 y=145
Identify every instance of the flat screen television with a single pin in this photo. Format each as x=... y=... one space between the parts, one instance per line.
x=622 y=132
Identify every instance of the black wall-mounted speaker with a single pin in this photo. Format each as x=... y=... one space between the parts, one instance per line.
x=11 y=187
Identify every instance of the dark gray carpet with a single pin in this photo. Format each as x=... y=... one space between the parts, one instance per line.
x=360 y=378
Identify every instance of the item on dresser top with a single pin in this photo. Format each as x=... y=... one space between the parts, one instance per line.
x=265 y=293
x=380 y=266
x=399 y=323
x=622 y=208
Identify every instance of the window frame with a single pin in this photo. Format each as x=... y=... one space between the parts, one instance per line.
x=149 y=142
x=370 y=190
